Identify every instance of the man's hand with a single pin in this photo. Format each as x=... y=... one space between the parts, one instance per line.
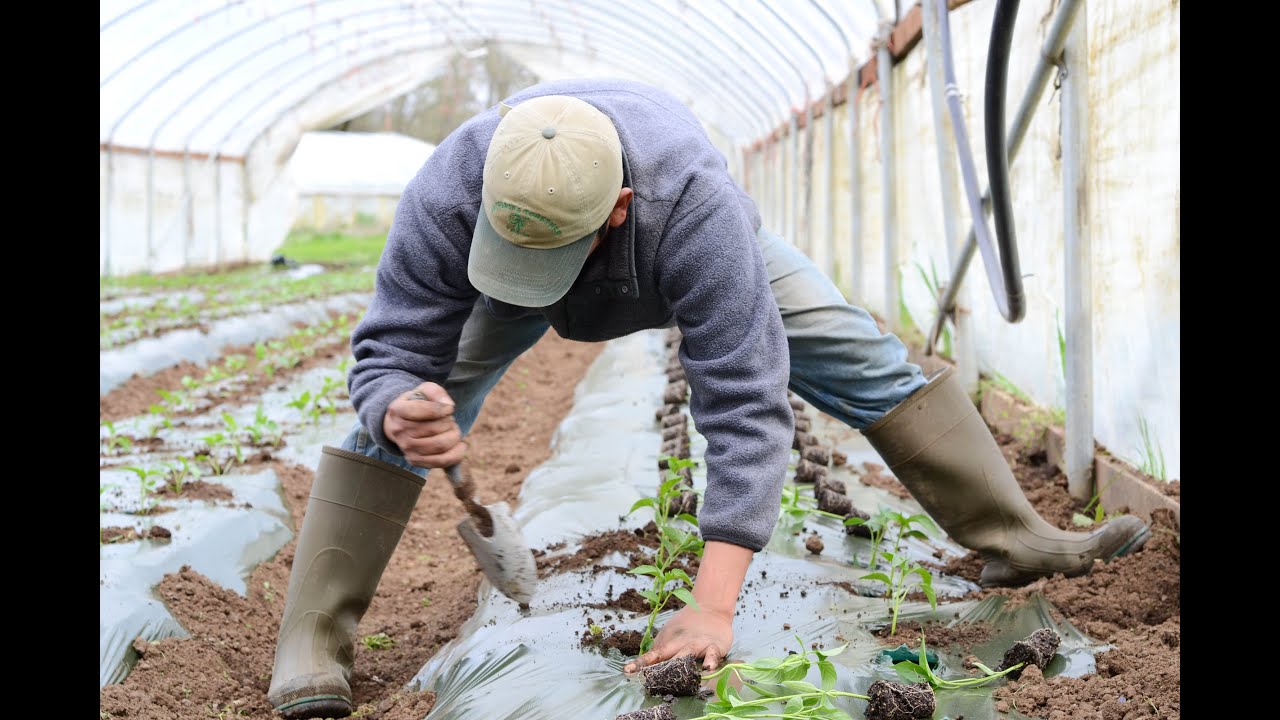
x=701 y=633
x=420 y=422
x=708 y=631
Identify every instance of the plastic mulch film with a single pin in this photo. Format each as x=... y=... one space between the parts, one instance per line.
x=223 y=542
x=150 y=355
x=509 y=664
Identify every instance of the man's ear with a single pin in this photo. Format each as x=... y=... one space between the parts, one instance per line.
x=619 y=213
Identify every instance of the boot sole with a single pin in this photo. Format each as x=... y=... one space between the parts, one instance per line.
x=1005 y=575
x=320 y=706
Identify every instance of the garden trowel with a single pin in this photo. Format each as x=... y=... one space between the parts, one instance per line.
x=495 y=540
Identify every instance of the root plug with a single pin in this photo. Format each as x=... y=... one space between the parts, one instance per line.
x=1037 y=649
x=899 y=701
x=678 y=676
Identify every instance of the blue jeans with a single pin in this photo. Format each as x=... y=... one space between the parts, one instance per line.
x=840 y=362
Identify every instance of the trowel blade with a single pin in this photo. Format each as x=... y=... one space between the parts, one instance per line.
x=504 y=558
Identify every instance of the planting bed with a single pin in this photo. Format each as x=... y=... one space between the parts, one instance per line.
x=572 y=436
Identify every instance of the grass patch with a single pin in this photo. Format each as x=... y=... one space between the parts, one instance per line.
x=333 y=249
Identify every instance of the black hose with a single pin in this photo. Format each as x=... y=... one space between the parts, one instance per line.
x=997 y=158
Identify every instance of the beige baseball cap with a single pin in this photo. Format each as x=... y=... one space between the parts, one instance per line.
x=551 y=178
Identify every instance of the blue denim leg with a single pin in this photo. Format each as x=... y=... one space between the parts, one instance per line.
x=840 y=362
x=487 y=348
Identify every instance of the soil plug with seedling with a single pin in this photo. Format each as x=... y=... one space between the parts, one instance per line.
x=827 y=484
x=803 y=440
x=665 y=411
x=685 y=474
x=675 y=432
x=673 y=419
x=803 y=423
x=899 y=701
x=816 y=454
x=862 y=531
x=677 y=676
x=796 y=403
x=1037 y=649
x=834 y=503
x=675 y=375
x=657 y=712
x=676 y=392
x=814 y=544
x=809 y=472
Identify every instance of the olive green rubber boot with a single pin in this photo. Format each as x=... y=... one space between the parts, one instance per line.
x=354 y=519
x=940 y=448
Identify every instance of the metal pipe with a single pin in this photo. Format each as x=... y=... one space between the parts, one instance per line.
x=793 y=218
x=805 y=172
x=945 y=134
x=1078 y=256
x=884 y=67
x=855 y=197
x=1045 y=65
x=828 y=181
x=1012 y=301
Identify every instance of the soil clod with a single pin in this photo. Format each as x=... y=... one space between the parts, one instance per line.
x=899 y=701
x=673 y=419
x=677 y=676
x=829 y=485
x=814 y=544
x=816 y=454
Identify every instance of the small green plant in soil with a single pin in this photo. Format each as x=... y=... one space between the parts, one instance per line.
x=1087 y=517
x=779 y=682
x=673 y=543
x=900 y=566
x=117 y=443
x=148 y=483
x=381 y=641
x=1152 y=455
x=180 y=472
x=264 y=430
x=919 y=671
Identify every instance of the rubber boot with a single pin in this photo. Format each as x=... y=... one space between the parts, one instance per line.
x=940 y=448
x=354 y=519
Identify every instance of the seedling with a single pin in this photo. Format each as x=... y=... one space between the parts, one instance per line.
x=901 y=567
x=148 y=482
x=161 y=416
x=1152 y=455
x=378 y=642
x=264 y=430
x=780 y=681
x=119 y=444
x=673 y=542
x=919 y=671
x=181 y=472
x=1086 y=518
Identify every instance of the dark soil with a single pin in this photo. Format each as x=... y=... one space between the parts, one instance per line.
x=899 y=701
x=678 y=676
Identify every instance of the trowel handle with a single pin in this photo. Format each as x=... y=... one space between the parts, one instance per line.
x=465 y=490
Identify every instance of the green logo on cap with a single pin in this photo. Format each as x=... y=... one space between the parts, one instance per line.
x=517 y=218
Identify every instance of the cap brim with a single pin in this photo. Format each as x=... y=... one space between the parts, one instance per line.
x=523 y=276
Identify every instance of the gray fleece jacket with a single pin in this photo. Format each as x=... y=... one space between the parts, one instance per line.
x=686 y=257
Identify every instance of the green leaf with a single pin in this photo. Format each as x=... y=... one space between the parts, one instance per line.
x=878 y=576
x=1081 y=520
x=650 y=595
x=855 y=521
x=688 y=518
x=642 y=503
x=681 y=574
x=915 y=534
x=800 y=686
x=828 y=670
x=644 y=570
x=910 y=672
x=686 y=596
x=794 y=705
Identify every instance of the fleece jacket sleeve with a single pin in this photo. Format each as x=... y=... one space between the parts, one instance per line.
x=422 y=296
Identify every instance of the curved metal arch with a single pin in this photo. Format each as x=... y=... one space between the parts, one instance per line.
x=748 y=52
x=126 y=14
x=844 y=36
x=222 y=71
x=678 y=61
x=822 y=66
x=804 y=83
x=189 y=24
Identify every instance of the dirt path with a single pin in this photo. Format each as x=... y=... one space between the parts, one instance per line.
x=427 y=592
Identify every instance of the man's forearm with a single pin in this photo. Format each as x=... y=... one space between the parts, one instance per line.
x=724 y=567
